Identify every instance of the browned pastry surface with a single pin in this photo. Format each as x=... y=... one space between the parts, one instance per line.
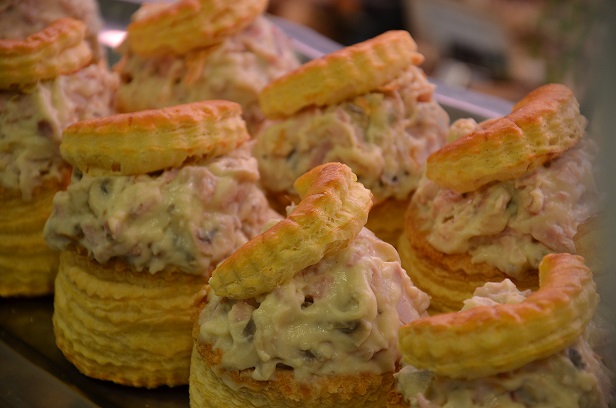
x=542 y=126
x=59 y=49
x=209 y=387
x=117 y=324
x=488 y=340
x=185 y=25
x=343 y=74
x=153 y=140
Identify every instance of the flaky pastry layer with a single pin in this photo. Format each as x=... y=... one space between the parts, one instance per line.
x=343 y=74
x=59 y=49
x=153 y=140
x=488 y=340
x=28 y=266
x=333 y=209
x=186 y=25
x=209 y=386
x=542 y=126
x=116 y=324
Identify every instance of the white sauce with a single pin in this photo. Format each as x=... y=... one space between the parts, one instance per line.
x=513 y=224
x=190 y=218
x=340 y=316
x=385 y=136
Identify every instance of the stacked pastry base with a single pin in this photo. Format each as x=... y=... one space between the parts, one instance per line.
x=140 y=232
x=104 y=318
x=209 y=387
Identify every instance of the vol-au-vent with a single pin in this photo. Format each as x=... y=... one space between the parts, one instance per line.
x=322 y=330
x=500 y=197
x=157 y=199
x=192 y=50
x=48 y=68
x=369 y=106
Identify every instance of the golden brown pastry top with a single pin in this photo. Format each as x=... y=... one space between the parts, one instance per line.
x=542 y=126
x=488 y=340
x=59 y=49
x=333 y=209
x=186 y=25
x=343 y=74
x=153 y=140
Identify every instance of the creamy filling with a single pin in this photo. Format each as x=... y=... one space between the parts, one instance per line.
x=189 y=218
x=385 y=136
x=573 y=378
x=340 y=316
x=513 y=224
x=235 y=70
x=32 y=120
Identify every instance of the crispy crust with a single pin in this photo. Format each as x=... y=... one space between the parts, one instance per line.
x=334 y=208
x=153 y=140
x=488 y=340
x=59 y=49
x=114 y=323
x=385 y=219
x=449 y=279
x=28 y=266
x=542 y=126
x=210 y=387
x=343 y=74
x=186 y=25
x=447 y=289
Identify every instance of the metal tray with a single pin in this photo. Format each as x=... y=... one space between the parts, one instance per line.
x=33 y=371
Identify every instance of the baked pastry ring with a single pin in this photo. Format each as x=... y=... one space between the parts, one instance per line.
x=343 y=74
x=542 y=126
x=59 y=49
x=186 y=25
x=104 y=318
x=160 y=138
x=209 y=389
x=333 y=209
x=488 y=340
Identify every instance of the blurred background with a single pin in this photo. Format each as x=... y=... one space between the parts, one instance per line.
x=499 y=47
